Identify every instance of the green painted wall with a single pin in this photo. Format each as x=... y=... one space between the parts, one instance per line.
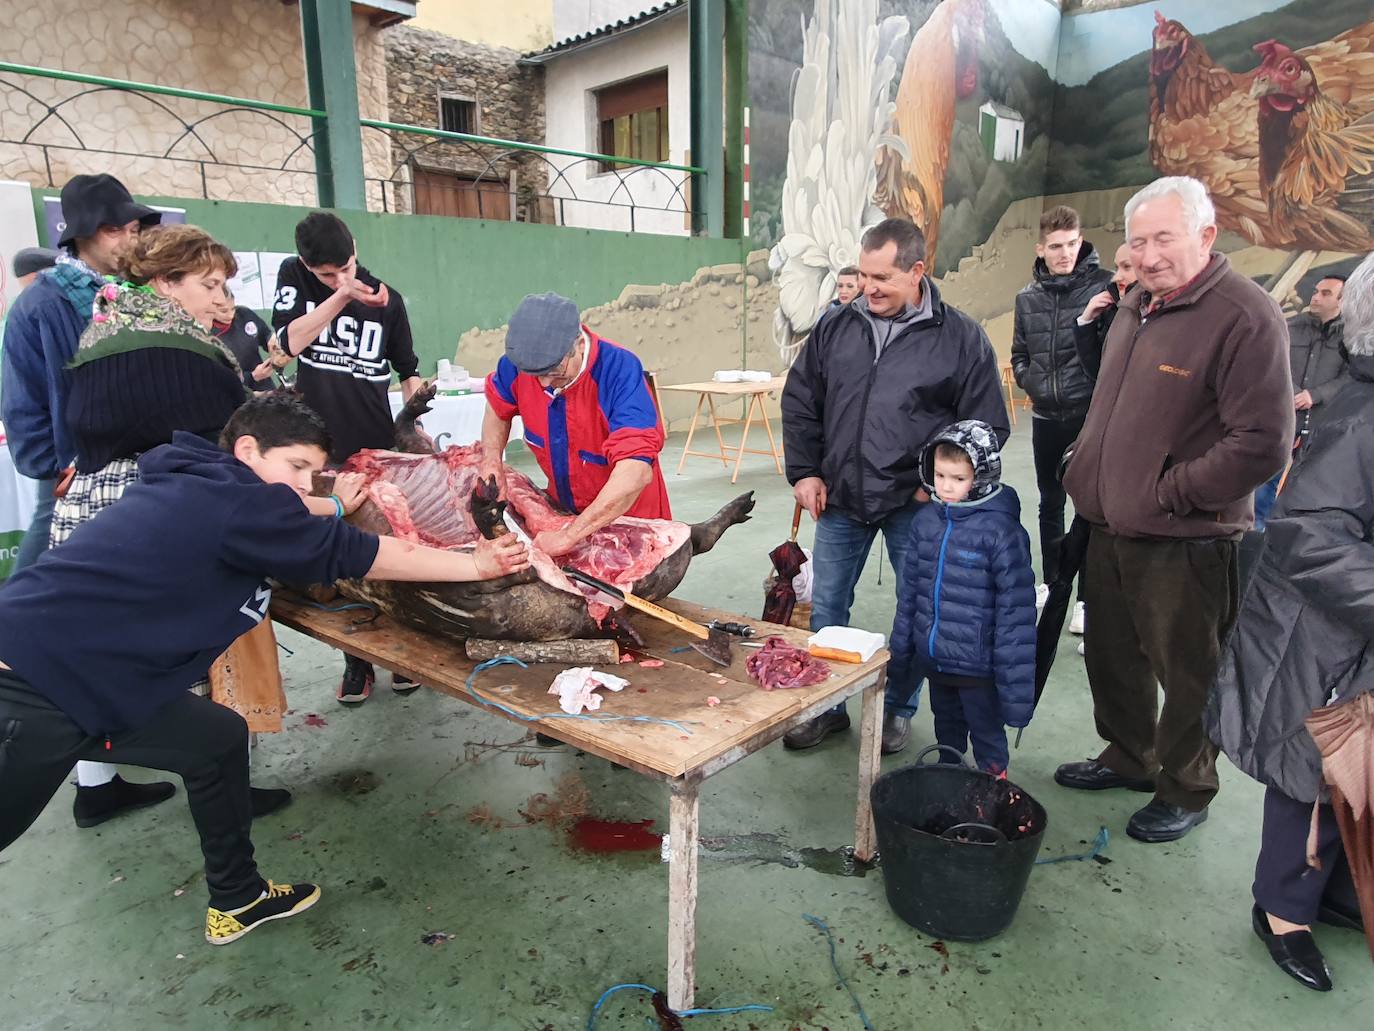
x=460 y=273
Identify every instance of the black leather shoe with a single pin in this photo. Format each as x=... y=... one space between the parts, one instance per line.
x=1295 y=953
x=1093 y=776
x=896 y=732
x=1336 y=916
x=544 y=741
x=93 y=806
x=1162 y=821
x=809 y=735
x=268 y=800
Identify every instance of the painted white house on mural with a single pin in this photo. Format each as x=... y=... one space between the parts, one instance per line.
x=620 y=88
x=1003 y=131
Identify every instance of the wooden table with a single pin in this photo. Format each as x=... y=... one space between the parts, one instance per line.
x=753 y=394
x=747 y=719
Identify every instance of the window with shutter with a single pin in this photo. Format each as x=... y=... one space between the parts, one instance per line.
x=632 y=119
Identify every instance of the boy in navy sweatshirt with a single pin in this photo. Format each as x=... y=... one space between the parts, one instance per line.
x=966 y=601
x=156 y=587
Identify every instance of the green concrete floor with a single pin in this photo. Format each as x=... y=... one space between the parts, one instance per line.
x=103 y=928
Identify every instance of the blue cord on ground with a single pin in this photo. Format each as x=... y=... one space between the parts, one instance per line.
x=510 y=660
x=821 y=925
x=752 y=1007
x=1099 y=845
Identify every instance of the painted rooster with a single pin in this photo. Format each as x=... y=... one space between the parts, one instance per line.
x=1204 y=120
x=941 y=69
x=1316 y=156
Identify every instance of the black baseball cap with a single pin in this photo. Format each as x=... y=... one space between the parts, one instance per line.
x=92 y=201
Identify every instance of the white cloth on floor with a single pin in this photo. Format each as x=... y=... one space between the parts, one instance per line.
x=576 y=688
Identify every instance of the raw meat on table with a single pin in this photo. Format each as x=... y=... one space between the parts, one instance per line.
x=781 y=665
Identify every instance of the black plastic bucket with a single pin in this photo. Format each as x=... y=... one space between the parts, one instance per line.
x=957 y=847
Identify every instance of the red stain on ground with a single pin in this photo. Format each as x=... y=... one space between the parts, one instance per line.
x=608 y=836
x=313 y=720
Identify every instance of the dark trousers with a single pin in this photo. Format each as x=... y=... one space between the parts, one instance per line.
x=1160 y=611
x=207 y=744
x=1050 y=438
x=962 y=713
x=1284 y=884
x=35 y=540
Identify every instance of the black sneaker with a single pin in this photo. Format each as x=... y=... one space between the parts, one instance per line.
x=278 y=902
x=403 y=685
x=356 y=685
x=268 y=800
x=93 y=806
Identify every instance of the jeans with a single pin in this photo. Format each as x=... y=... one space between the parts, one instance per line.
x=1050 y=438
x=1265 y=496
x=205 y=743
x=962 y=713
x=35 y=540
x=838 y=557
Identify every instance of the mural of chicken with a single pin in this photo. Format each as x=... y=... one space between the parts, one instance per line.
x=1316 y=156
x=941 y=69
x=1205 y=122
x=840 y=114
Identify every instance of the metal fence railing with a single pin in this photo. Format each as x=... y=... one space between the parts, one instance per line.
x=168 y=141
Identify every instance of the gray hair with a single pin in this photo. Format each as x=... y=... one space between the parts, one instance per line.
x=1198 y=212
x=1357 y=309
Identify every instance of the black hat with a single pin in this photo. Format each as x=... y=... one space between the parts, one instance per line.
x=92 y=201
x=33 y=259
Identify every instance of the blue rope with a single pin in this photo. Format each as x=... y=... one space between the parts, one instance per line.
x=591 y=1020
x=335 y=608
x=821 y=925
x=510 y=660
x=1099 y=845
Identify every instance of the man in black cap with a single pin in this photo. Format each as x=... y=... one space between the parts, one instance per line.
x=99 y=223
x=29 y=261
x=588 y=415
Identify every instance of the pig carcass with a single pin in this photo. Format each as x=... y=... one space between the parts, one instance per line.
x=441 y=501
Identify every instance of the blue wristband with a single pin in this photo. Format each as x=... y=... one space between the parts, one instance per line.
x=338 y=506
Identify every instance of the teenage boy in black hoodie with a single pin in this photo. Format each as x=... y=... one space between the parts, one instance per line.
x=159 y=586
x=348 y=332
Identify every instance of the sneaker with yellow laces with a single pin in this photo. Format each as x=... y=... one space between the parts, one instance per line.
x=278 y=902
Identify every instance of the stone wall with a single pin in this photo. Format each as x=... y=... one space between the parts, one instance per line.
x=421 y=65
x=239 y=48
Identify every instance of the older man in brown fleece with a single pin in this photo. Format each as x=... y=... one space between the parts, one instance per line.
x=1193 y=410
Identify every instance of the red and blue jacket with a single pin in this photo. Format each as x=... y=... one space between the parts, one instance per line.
x=606 y=416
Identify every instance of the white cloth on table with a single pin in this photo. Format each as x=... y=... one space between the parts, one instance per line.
x=576 y=688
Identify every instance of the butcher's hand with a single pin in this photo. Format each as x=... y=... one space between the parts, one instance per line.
x=1099 y=303
x=500 y=557
x=556 y=542
x=349 y=488
x=810 y=494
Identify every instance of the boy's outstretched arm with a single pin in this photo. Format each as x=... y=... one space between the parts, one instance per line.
x=401 y=560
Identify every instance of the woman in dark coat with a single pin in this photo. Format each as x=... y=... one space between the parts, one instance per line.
x=1301 y=642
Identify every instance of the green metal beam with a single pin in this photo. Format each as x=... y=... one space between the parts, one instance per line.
x=327 y=32
x=707 y=31
x=736 y=97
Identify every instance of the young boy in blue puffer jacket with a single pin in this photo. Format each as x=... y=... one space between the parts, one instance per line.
x=966 y=602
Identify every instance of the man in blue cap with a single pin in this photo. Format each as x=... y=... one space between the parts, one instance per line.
x=588 y=415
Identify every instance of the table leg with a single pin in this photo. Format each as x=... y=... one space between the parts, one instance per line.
x=715 y=422
x=744 y=437
x=772 y=442
x=682 y=895
x=870 y=756
x=687 y=447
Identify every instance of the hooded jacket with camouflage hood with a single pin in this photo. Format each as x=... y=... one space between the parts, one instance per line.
x=966 y=601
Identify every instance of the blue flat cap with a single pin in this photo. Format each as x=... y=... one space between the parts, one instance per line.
x=542 y=332
x=33 y=259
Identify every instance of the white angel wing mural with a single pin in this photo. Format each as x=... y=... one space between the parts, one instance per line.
x=841 y=112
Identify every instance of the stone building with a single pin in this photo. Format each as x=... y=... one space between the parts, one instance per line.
x=437 y=81
x=51 y=130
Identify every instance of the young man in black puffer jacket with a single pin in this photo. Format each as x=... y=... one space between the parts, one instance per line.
x=1044 y=359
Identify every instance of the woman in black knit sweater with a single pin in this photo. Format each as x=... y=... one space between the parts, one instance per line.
x=147 y=367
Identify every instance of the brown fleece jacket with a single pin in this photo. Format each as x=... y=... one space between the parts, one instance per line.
x=1193 y=410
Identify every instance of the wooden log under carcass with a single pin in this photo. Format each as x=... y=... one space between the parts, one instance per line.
x=580 y=652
